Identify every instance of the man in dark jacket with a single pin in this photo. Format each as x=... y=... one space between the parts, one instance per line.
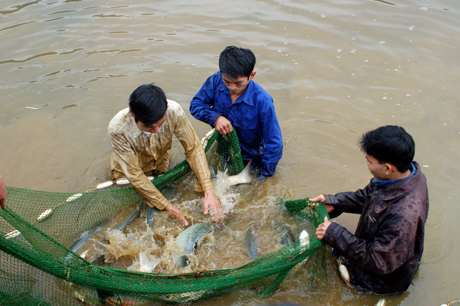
x=384 y=253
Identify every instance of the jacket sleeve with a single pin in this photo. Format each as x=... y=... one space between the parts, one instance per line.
x=202 y=102
x=126 y=157
x=194 y=152
x=350 y=202
x=273 y=140
x=389 y=250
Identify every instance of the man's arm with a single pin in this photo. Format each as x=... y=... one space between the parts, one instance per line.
x=273 y=140
x=350 y=202
x=194 y=153
x=389 y=250
x=127 y=159
x=2 y=193
x=202 y=102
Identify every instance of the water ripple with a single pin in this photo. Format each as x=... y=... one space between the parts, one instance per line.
x=17 y=8
x=29 y=59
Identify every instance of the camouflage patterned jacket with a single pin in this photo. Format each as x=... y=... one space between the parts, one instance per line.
x=384 y=253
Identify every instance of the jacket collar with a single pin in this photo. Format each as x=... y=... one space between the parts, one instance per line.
x=383 y=197
x=136 y=130
x=247 y=95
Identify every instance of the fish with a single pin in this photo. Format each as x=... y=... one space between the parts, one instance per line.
x=86 y=295
x=133 y=215
x=147 y=265
x=304 y=238
x=168 y=192
x=244 y=177
x=250 y=241
x=82 y=238
x=287 y=237
x=188 y=240
x=149 y=218
x=344 y=274
x=213 y=172
x=382 y=302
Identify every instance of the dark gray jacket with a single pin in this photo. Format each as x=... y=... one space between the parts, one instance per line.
x=386 y=249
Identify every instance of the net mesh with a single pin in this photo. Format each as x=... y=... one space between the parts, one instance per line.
x=37 y=267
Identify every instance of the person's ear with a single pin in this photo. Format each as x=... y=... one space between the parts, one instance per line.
x=388 y=168
x=253 y=74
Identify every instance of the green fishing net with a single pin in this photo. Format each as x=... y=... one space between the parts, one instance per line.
x=38 y=227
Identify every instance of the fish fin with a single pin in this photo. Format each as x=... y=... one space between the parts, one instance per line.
x=213 y=173
x=247 y=169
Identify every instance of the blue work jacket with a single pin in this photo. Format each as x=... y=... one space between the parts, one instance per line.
x=252 y=115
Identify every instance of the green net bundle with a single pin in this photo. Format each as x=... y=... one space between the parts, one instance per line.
x=38 y=227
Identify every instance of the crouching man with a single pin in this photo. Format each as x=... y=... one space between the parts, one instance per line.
x=141 y=136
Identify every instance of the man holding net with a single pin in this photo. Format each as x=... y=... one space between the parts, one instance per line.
x=230 y=99
x=141 y=136
x=385 y=252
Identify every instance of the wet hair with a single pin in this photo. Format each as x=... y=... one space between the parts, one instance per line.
x=390 y=144
x=236 y=62
x=148 y=104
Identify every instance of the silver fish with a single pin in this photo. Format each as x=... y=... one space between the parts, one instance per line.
x=213 y=172
x=287 y=237
x=133 y=215
x=150 y=213
x=189 y=239
x=244 y=177
x=381 y=302
x=82 y=238
x=250 y=241
x=304 y=238
x=168 y=192
x=145 y=264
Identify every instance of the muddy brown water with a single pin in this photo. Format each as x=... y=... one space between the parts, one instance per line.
x=334 y=68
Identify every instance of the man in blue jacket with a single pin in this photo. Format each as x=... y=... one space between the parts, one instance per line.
x=230 y=99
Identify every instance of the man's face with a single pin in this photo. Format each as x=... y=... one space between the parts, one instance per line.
x=154 y=128
x=238 y=85
x=379 y=171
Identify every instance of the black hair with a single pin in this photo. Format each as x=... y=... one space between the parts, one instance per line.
x=236 y=62
x=148 y=104
x=390 y=144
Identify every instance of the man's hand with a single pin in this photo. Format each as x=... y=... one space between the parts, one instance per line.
x=176 y=213
x=223 y=126
x=322 y=228
x=210 y=200
x=2 y=193
x=321 y=198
